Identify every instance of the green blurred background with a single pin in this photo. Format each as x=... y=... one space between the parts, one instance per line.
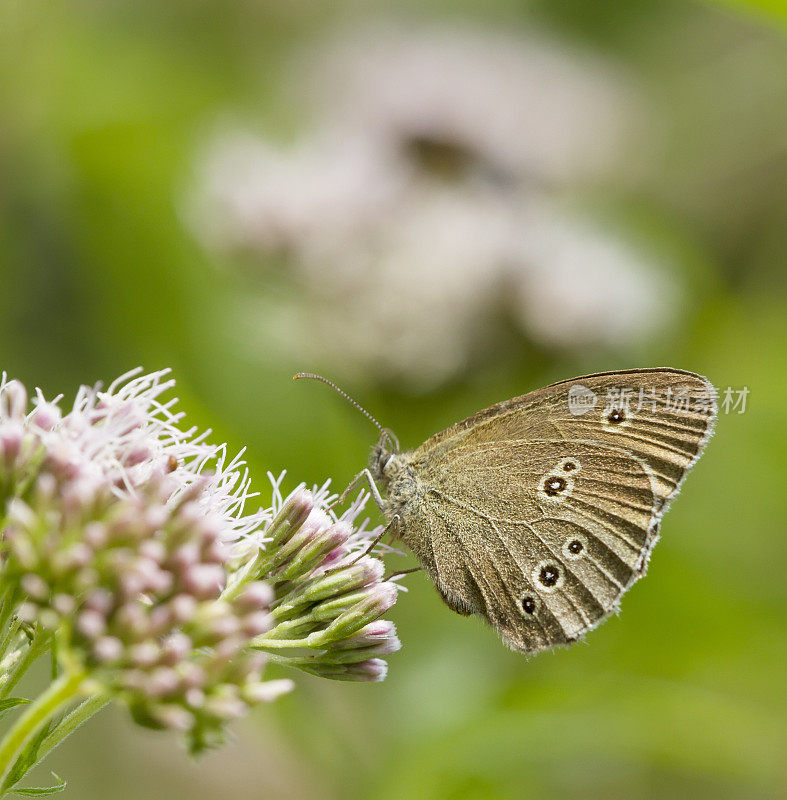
x=104 y=110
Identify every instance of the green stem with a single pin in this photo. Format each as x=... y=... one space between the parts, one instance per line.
x=252 y=571
x=37 y=714
x=275 y=658
x=276 y=644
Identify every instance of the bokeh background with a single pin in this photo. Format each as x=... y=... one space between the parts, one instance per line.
x=440 y=208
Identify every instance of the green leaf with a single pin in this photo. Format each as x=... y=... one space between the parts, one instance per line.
x=28 y=758
x=42 y=791
x=11 y=702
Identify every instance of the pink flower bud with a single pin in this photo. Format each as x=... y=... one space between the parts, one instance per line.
x=11 y=436
x=35 y=586
x=379 y=629
x=225 y=707
x=13 y=400
x=45 y=489
x=27 y=612
x=257 y=623
x=161 y=682
x=296 y=510
x=266 y=691
x=339 y=533
x=186 y=555
x=64 y=460
x=183 y=607
x=96 y=534
x=46 y=416
x=154 y=550
x=107 y=649
x=192 y=675
x=156 y=517
x=145 y=654
x=91 y=624
x=204 y=581
x=132 y=618
x=228 y=648
x=373 y=569
x=155 y=580
x=137 y=454
x=132 y=584
x=334 y=557
x=176 y=647
x=160 y=619
x=257 y=595
x=64 y=604
x=195 y=698
x=223 y=627
x=218 y=552
x=379 y=635
x=78 y=555
x=100 y=600
x=375 y=669
x=18 y=511
x=174 y=717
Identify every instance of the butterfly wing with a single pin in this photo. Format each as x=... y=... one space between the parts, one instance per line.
x=538 y=518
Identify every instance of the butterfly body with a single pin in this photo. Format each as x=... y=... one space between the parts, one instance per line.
x=536 y=514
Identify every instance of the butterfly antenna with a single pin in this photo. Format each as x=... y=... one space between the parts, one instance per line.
x=342 y=393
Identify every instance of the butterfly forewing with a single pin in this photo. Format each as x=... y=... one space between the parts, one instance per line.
x=538 y=513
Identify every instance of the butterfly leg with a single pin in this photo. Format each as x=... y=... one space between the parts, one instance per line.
x=387 y=529
x=368 y=549
x=364 y=474
x=399 y=573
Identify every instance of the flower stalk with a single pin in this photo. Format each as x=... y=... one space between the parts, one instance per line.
x=48 y=704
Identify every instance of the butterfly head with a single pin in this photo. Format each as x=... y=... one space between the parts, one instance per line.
x=385 y=459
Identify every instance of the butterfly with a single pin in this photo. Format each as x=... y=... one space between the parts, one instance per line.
x=537 y=514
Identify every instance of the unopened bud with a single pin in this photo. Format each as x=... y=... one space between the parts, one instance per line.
x=294 y=513
x=377 y=601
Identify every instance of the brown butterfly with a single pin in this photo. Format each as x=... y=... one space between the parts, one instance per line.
x=538 y=513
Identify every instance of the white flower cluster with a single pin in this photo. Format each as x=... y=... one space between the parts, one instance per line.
x=125 y=547
x=420 y=210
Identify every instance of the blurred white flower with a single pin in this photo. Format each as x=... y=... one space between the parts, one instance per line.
x=420 y=212
x=515 y=104
x=277 y=199
x=417 y=293
x=580 y=285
